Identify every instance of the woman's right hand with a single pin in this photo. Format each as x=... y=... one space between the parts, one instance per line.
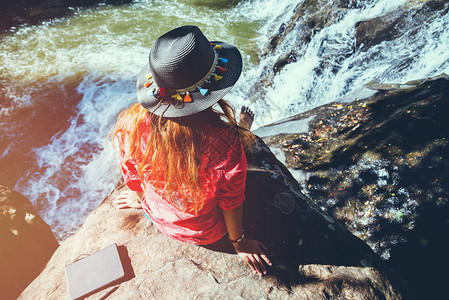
x=251 y=252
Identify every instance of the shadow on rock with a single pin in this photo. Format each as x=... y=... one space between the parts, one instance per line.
x=425 y=252
x=291 y=226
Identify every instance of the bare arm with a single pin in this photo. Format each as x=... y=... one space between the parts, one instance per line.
x=249 y=250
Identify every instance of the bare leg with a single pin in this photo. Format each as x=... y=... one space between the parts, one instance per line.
x=246 y=117
x=127 y=199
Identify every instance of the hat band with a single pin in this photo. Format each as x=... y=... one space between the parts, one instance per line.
x=200 y=83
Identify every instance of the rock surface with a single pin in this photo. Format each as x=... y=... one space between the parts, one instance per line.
x=26 y=243
x=379 y=166
x=394 y=24
x=313 y=256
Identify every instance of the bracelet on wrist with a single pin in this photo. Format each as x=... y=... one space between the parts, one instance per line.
x=239 y=239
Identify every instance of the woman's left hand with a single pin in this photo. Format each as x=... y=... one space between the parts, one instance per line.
x=251 y=252
x=127 y=199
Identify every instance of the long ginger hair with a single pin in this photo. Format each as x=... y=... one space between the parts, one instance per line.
x=167 y=156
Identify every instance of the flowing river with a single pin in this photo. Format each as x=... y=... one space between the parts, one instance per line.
x=64 y=81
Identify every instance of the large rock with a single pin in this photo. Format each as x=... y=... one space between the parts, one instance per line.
x=379 y=166
x=26 y=243
x=397 y=22
x=313 y=256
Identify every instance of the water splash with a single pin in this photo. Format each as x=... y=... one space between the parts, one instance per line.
x=78 y=168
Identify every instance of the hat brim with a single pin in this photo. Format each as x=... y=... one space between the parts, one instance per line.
x=216 y=89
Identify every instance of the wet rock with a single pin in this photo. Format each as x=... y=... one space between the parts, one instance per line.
x=298 y=237
x=394 y=24
x=309 y=18
x=379 y=166
x=26 y=243
x=284 y=60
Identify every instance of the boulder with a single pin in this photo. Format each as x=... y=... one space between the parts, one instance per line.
x=26 y=243
x=313 y=255
x=394 y=24
x=379 y=166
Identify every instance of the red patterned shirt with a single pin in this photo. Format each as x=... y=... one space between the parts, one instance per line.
x=222 y=172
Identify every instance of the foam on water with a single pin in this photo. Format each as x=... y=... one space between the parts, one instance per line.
x=78 y=168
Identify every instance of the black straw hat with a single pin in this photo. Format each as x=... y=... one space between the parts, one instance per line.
x=186 y=73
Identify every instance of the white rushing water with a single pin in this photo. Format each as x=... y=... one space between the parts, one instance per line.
x=299 y=87
x=104 y=48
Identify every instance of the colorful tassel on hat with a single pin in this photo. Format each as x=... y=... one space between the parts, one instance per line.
x=187 y=98
x=223 y=60
x=221 y=69
x=218 y=77
x=218 y=47
x=177 y=97
x=162 y=92
x=203 y=91
x=147 y=84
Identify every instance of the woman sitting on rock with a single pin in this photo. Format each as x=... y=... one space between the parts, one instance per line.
x=183 y=160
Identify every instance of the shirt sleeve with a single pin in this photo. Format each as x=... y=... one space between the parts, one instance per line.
x=129 y=169
x=232 y=190
x=131 y=176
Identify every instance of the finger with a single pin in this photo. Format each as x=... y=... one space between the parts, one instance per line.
x=115 y=204
x=259 y=265
x=121 y=197
x=122 y=206
x=254 y=265
x=261 y=245
x=266 y=259
x=119 y=200
x=125 y=193
x=263 y=255
x=251 y=265
x=118 y=203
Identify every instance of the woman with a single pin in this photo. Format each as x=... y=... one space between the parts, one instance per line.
x=182 y=159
